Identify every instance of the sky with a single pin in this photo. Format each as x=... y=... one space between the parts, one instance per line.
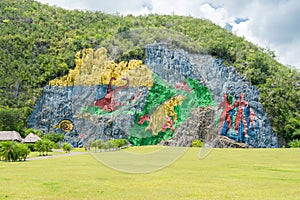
x=269 y=23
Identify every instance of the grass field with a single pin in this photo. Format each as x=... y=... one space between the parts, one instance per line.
x=223 y=174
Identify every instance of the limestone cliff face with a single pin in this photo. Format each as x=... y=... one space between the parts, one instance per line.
x=100 y=110
x=59 y=103
x=71 y=98
x=177 y=65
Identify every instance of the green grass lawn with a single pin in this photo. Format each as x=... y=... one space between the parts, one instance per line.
x=223 y=174
x=37 y=154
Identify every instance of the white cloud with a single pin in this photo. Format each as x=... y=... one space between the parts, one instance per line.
x=112 y=6
x=219 y=16
x=272 y=23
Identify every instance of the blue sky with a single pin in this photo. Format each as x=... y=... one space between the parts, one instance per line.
x=269 y=23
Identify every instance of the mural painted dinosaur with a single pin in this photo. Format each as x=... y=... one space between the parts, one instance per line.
x=108 y=102
x=161 y=119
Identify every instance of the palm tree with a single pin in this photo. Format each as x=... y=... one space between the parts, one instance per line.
x=43 y=146
x=9 y=151
x=24 y=151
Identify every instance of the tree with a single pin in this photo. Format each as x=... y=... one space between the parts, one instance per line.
x=66 y=147
x=12 y=119
x=54 y=137
x=108 y=145
x=98 y=144
x=23 y=151
x=44 y=146
x=32 y=130
x=119 y=142
x=9 y=151
x=94 y=144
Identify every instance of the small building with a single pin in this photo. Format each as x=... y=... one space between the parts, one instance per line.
x=31 y=138
x=10 y=136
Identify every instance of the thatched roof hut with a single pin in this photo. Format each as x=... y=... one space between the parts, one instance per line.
x=10 y=136
x=31 y=138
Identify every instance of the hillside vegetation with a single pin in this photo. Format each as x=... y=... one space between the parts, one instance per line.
x=38 y=43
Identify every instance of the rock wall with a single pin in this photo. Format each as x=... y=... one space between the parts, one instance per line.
x=196 y=127
x=140 y=102
x=60 y=103
x=221 y=80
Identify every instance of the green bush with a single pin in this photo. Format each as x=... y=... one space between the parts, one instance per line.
x=67 y=147
x=114 y=143
x=56 y=146
x=97 y=144
x=296 y=134
x=119 y=142
x=44 y=146
x=54 y=137
x=9 y=151
x=23 y=151
x=108 y=145
x=31 y=146
x=294 y=143
x=197 y=143
x=32 y=130
x=13 y=151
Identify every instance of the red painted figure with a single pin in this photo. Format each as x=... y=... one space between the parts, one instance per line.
x=169 y=124
x=224 y=116
x=143 y=119
x=108 y=102
x=240 y=115
x=183 y=86
x=252 y=118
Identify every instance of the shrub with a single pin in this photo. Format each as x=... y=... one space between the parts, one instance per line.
x=31 y=146
x=67 y=147
x=94 y=144
x=108 y=145
x=294 y=143
x=97 y=144
x=54 y=137
x=13 y=151
x=32 y=130
x=296 y=134
x=197 y=143
x=119 y=142
x=23 y=151
x=56 y=146
x=100 y=144
x=9 y=151
x=44 y=146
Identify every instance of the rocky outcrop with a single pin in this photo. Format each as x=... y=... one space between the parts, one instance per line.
x=196 y=127
x=177 y=65
x=59 y=103
x=225 y=142
x=177 y=72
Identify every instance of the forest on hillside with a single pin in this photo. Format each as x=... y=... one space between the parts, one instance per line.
x=38 y=43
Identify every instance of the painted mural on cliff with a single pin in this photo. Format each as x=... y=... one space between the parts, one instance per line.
x=237 y=119
x=142 y=102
